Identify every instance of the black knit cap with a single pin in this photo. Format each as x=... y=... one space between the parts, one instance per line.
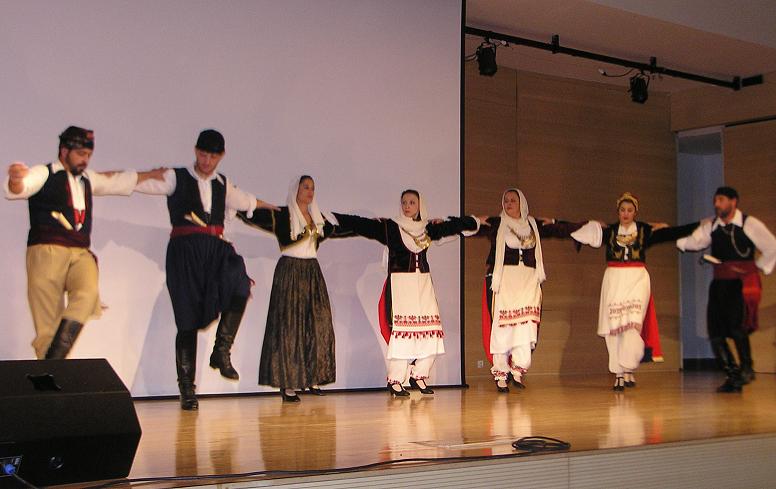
x=211 y=141
x=76 y=138
x=728 y=192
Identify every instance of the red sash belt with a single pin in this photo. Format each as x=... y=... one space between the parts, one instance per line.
x=625 y=264
x=732 y=270
x=752 y=288
x=177 y=231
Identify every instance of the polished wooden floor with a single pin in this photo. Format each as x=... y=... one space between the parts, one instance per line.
x=245 y=434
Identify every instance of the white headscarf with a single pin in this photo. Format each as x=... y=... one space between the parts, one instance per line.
x=521 y=227
x=297 y=220
x=409 y=228
x=411 y=225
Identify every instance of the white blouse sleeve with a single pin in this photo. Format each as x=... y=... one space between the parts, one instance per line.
x=152 y=186
x=118 y=183
x=765 y=242
x=698 y=240
x=239 y=200
x=591 y=234
x=33 y=182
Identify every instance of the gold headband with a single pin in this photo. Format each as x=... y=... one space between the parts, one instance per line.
x=628 y=197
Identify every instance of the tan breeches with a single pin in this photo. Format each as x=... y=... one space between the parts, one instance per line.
x=54 y=271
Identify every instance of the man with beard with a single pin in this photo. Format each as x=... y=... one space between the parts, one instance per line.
x=59 y=262
x=736 y=289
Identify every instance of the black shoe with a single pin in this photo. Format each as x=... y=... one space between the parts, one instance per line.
x=501 y=389
x=630 y=383
x=619 y=384
x=731 y=385
x=63 y=339
x=315 y=391
x=517 y=383
x=747 y=375
x=394 y=393
x=423 y=390
x=288 y=398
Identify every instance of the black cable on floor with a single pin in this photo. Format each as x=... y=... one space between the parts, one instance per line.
x=536 y=444
x=529 y=446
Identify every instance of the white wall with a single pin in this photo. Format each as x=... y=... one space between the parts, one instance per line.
x=363 y=95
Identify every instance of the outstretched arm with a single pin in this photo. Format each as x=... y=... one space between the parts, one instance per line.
x=452 y=226
x=123 y=182
x=557 y=229
x=240 y=200
x=592 y=233
x=361 y=226
x=699 y=239
x=24 y=182
x=671 y=233
x=262 y=218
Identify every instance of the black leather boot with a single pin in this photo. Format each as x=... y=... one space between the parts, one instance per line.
x=733 y=381
x=186 y=365
x=744 y=350
x=221 y=357
x=63 y=339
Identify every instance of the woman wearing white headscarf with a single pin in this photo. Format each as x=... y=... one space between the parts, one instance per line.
x=298 y=348
x=512 y=294
x=408 y=309
x=626 y=314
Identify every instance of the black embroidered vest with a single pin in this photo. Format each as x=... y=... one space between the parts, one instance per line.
x=54 y=197
x=186 y=200
x=730 y=243
x=635 y=249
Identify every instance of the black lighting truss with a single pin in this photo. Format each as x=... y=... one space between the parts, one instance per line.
x=652 y=67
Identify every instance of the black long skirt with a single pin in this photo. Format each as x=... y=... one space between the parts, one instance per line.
x=298 y=348
x=204 y=273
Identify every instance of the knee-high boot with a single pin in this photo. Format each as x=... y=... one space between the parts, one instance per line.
x=221 y=357
x=64 y=339
x=744 y=350
x=186 y=365
x=726 y=362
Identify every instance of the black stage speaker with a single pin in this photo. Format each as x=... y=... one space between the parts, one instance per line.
x=65 y=421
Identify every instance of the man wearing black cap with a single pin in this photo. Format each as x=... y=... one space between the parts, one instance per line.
x=59 y=262
x=205 y=276
x=736 y=289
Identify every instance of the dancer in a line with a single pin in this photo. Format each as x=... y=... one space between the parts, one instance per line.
x=626 y=315
x=205 y=275
x=408 y=309
x=512 y=293
x=298 y=348
x=735 y=292
x=59 y=262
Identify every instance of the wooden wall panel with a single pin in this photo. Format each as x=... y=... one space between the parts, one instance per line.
x=577 y=146
x=490 y=160
x=708 y=106
x=750 y=167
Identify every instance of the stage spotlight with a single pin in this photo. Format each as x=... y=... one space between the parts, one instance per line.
x=639 y=84
x=486 y=59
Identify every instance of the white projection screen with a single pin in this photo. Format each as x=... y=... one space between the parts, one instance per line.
x=364 y=95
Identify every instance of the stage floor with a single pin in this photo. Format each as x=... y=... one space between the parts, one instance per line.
x=254 y=433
